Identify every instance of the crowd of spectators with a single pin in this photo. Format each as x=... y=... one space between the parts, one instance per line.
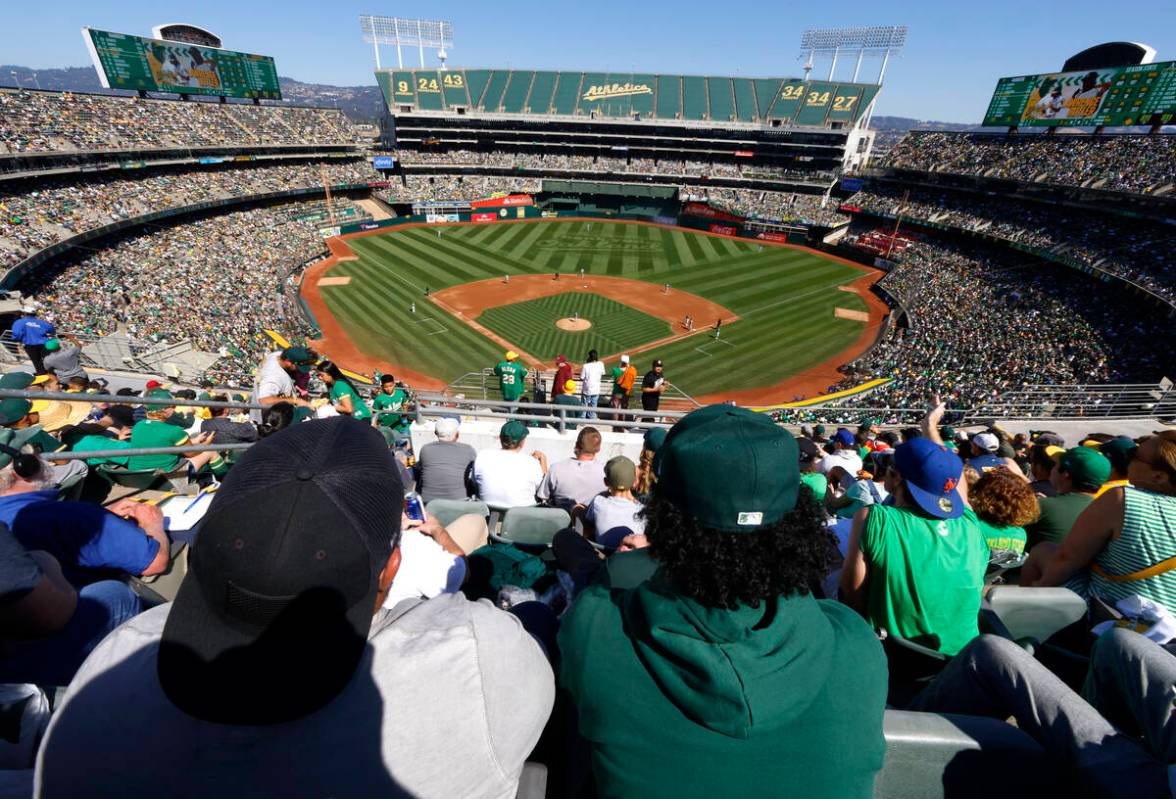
x=812 y=209
x=606 y=164
x=1130 y=163
x=32 y=122
x=460 y=188
x=982 y=320
x=664 y=620
x=217 y=282
x=1134 y=249
x=40 y=213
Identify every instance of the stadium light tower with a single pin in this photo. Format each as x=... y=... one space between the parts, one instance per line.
x=884 y=40
x=403 y=32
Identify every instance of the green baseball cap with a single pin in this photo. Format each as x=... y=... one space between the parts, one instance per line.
x=515 y=430
x=160 y=393
x=620 y=472
x=14 y=409
x=654 y=438
x=300 y=356
x=52 y=344
x=16 y=380
x=1119 y=452
x=1087 y=467
x=15 y=439
x=730 y=469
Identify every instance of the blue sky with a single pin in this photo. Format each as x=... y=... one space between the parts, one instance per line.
x=955 y=50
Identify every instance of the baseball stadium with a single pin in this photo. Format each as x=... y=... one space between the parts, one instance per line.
x=742 y=444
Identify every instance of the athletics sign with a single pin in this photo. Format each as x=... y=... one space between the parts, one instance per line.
x=616 y=90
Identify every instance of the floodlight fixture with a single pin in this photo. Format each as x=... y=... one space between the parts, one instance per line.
x=402 y=32
x=884 y=40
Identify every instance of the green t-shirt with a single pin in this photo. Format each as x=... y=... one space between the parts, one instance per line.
x=359 y=408
x=817 y=483
x=925 y=576
x=1057 y=517
x=571 y=401
x=151 y=433
x=95 y=443
x=512 y=378
x=1003 y=539
x=388 y=407
x=783 y=699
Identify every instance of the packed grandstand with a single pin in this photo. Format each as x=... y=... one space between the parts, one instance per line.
x=687 y=613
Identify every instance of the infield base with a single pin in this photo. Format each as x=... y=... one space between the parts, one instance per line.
x=573 y=324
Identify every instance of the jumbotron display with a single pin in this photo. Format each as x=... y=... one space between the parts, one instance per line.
x=125 y=61
x=1134 y=95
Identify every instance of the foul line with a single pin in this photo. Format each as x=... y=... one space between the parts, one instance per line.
x=437 y=322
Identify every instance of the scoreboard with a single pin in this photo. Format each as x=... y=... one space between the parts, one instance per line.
x=1136 y=95
x=131 y=62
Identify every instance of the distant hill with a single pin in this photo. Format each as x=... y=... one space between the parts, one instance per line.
x=360 y=103
x=903 y=124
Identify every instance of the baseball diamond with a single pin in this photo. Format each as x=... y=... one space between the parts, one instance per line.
x=781 y=335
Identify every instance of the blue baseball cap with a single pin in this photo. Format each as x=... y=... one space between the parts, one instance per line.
x=931 y=474
x=844 y=436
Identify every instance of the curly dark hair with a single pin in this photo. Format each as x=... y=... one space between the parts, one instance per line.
x=725 y=570
x=1001 y=498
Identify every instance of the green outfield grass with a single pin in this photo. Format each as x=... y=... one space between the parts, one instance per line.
x=785 y=297
x=615 y=327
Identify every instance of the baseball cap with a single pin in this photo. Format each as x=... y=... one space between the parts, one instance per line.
x=860 y=495
x=28 y=309
x=14 y=409
x=620 y=472
x=624 y=359
x=39 y=379
x=654 y=438
x=15 y=439
x=154 y=384
x=1119 y=451
x=121 y=416
x=561 y=359
x=808 y=451
x=52 y=344
x=819 y=430
x=986 y=441
x=657 y=362
x=931 y=474
x=272 y=619
x=1049 y=438
x=947 y=433
x=446 y=427
x=1088 y=468
x=511 y=355
x=515 y=430
x=844 y=437
x=16 y=380
x=729 y=468
x=300 y=356
x=160 y=393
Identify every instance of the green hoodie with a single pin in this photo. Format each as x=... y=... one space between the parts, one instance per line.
x=678 y=699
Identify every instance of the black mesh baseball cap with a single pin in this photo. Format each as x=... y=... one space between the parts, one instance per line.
x=272 y=618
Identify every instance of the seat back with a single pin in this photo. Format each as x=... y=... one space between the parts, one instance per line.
x=534 y=527
x=936 y=756
x=446 y=511
x=1035 y=613
x=137 y=479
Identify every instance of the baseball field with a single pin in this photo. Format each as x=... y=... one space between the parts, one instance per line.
x=432 y=302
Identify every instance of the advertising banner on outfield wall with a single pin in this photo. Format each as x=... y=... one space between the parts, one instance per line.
x=484 y=216
x=510 y=201
x=772 y=236
x=722 y=230
x=433 y=219
x=704 y=210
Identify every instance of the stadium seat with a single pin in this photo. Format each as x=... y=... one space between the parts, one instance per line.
x=911 y=667
x=531 y=527
x=445 y=511
x=137 y=479
x=1035 y=613
x=939 y=756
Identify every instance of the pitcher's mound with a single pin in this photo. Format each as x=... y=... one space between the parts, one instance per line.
x=568 y=323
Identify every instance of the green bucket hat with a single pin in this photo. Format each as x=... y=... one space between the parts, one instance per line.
x=1088 y=468
x=728 y=468
x=514 y=430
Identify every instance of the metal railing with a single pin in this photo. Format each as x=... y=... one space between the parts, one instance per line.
x=561 y=417
x=483 y=384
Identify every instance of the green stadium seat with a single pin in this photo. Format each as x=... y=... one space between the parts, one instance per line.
x=446 y=511
x=428 y=89
x=591 y=80
x=1035 y=613
x=137 y=479
x=531 y=527
x=477 y=80
x=643 y=104
x=492 y=99
x=722 y=99
x=455 y=88
x=766 y=90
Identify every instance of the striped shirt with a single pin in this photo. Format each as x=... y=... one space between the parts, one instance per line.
x=1148 y=537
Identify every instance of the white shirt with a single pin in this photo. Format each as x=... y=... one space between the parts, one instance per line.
x=426 y=570
x=271 y=381
x=507 y=477
x=847 y=459
x=590 y=376
x=607 y=512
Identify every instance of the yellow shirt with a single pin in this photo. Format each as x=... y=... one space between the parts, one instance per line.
x=1108 y=485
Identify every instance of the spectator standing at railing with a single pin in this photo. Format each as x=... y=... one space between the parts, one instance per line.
x=64 y=360
x=512 y=379
x=275 y=379
x=591 y=374
x=31 y=332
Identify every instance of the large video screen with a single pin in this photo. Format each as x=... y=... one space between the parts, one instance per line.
x=131 y=62
x=1137 y=95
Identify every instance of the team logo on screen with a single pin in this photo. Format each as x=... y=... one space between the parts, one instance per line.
x=616 y=90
